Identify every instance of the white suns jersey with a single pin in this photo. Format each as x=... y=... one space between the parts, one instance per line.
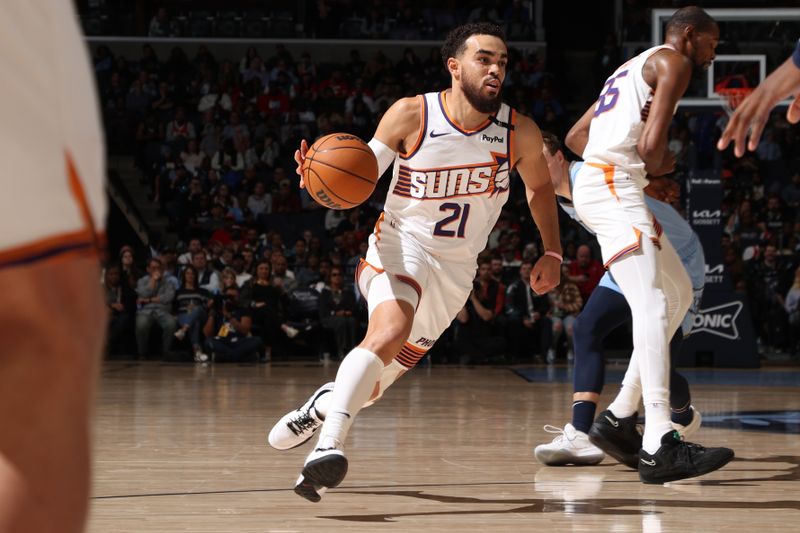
x=619 y=117
x=447 y=191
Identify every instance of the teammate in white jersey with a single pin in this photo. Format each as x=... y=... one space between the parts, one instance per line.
x=452 y=154
x=622 y=138
x=53 y=317
x=607 y=309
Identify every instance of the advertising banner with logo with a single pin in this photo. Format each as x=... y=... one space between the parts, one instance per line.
x=722 y=333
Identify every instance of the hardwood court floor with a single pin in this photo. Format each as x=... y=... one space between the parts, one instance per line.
x=182 y=448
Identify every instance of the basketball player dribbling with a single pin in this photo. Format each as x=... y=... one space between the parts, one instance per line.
x=452 y=153
x=53 y=315
x=622 y=138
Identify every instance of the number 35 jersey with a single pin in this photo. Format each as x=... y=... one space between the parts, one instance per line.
x=619 y=117
x=448 y=189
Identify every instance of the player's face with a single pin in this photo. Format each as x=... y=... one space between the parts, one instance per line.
x=704 y=46
x=482 y=71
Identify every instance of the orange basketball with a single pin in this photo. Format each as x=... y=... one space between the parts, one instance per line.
x=340 y=171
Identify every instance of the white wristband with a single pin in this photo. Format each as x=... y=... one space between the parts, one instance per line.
x=383 y=154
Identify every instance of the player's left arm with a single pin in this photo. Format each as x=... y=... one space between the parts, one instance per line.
x=532 y=167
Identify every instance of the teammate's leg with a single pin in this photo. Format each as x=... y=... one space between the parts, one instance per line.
x=47 y=377
x=639 y=276
x=677 y=292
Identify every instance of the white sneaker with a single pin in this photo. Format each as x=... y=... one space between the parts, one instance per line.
x=324 y=468
x=551 y=356
x=694 y=425
x=570 y=356
x=296 y=427
x=570 y=447
x=200 y=357
x=180 y=333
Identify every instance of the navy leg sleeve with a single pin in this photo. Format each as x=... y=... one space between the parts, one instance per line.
x=679 y=395
x=605 y=311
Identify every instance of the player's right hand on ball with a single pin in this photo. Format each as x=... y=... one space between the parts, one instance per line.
x=299 y=157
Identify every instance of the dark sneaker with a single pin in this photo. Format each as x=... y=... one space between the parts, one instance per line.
x=618 y=437
x=677 y=459
x=324 y=468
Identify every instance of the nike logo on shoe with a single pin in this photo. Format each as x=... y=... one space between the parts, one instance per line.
x=612 y=422
x=433 y=134
x=648 y=463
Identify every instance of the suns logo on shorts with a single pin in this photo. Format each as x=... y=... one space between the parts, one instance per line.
x=451 y=182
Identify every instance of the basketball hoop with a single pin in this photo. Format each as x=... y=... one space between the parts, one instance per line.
x=732 y=97
x=732 y=90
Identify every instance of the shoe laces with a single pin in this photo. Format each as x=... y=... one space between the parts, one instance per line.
x=687 y=450
x=562 y=435
x=301 y=423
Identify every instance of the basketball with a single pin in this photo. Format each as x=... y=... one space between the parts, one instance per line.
x=340 y=171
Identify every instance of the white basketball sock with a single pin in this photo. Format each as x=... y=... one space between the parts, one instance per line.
x=658 y=421
x=355 y=381
x=389 y=375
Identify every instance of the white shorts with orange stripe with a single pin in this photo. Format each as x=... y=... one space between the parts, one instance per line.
x=610 y=202
x=53 y=202
x=442 y=286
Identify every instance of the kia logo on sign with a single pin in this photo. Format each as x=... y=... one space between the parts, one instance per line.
x=706 y=217
x=714 y=274
x=719 y=320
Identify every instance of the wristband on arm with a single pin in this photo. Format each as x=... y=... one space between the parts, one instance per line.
x=554 y=255
x=383 y=154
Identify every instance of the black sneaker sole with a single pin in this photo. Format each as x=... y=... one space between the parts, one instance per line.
x=721 y=461
x=327 y=471
x=307 y=490
x=597 y=438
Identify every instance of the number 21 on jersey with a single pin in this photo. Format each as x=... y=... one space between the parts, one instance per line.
x=458 y=214
x=608 y=98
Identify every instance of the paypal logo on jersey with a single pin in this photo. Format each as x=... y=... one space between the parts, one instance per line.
x=436 y=183
x=492 y=138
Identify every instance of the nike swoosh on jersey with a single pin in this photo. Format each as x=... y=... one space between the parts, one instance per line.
x=433 y=134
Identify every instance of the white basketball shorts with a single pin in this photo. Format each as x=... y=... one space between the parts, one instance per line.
x=53 y=202
x=611 y=204
x=443 y=286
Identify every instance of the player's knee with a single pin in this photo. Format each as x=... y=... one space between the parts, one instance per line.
x=386 y=338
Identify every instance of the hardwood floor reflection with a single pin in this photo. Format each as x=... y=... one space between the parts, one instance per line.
x=183 y=448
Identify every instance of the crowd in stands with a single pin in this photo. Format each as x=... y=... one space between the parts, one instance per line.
x=258 y=259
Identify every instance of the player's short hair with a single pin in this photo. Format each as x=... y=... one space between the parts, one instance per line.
x=690 y=16
x=456 y=41
x=552 y=142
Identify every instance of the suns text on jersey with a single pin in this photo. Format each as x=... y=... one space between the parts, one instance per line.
x=469 y=180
